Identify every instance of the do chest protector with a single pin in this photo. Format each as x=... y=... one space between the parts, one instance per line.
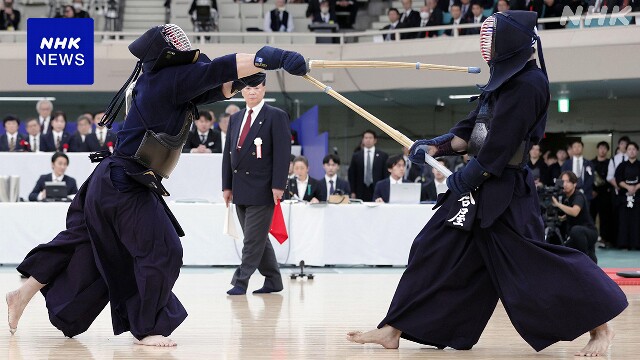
x=481 y=130
x=160 y=152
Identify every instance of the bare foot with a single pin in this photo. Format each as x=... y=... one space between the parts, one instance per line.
x=387 y=336
x=599 y=343
x=155 y=340
x=15 y=307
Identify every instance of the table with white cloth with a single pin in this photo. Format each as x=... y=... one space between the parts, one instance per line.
x=197 y=176
x=319 y=234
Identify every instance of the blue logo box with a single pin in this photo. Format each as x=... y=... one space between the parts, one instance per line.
x=60 y=51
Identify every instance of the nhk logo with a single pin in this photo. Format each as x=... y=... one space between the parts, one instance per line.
x=60 y=51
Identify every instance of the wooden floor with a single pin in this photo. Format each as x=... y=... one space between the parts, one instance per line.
x=308 y=320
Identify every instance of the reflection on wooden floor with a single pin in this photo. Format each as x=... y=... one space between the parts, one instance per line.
x=308 y=320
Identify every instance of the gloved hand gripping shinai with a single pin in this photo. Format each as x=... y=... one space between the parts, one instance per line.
x=270 y=58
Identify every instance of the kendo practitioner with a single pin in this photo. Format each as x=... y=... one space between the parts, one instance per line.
x=122 y=242
x=461 y=263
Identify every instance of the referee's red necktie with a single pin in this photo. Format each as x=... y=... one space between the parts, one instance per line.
x=245 y=130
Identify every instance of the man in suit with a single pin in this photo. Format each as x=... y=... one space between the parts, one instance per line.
x=12 y=140
x=102 y=134
x=44 y=108
x=59 y=164
x=396 y=168
x=56 y=139
x=409 y=19
x=324 y=14
x=203 y=139
x=413 y=172
x=430 y=15
x=582 y=167
x=254 y=176
x=34 y=137
x=278 y=19
x=9 y=17
x=456 y=19
x=302 y=186
x=465 y=10
x=432 y=189
x=476 y=18
x=81 y=140
x=394 y=23
x=330 y=183
x=367 y=167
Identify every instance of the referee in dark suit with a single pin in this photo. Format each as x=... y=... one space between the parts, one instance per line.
x=255 y=166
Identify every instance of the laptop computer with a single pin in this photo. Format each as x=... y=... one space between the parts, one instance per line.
x=405 y=193
x=56 y=191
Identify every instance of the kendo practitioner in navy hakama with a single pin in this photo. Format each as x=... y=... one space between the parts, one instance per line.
x=460 y=264
x=122 y=242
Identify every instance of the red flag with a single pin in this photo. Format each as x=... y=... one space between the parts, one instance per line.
x=278 y=228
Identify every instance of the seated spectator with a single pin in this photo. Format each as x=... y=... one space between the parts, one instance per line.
x=347 y=6
x=231 y=109
x=106 y=138
x=302 y=186
x=12 y=140
x=409 y=19
x=501 y=6
x=432 y=189
x=527 y=5
x=291 y=175
x=628 y=200
x=68 y=12
x=581 y=167
x=582 y=232
x=330 y=183
x=394 y=21
x=223 y=125
x=57 y=139
x=413 y=172
x=396 y=168
x=465 y=11
x=9 y=17
x=313 y=7
x=278 y=19
x=44 y=108
x=477 y=18
x=456 y=19
x=78 y=6
x=59 y=164
x=538 y=168
x=214 y=120
x=430 y=15
x=324 y=15
x=552 y=9
x=81 y=140
x=34 y=137
x=203 y=139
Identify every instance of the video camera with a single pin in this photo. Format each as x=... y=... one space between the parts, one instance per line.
x=551 y=214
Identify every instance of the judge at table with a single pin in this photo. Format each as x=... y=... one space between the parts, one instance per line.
x=59 y=164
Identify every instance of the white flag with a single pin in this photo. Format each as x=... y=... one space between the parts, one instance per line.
x=229 y=227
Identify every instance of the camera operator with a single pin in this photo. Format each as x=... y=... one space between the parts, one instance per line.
x=580 y=227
